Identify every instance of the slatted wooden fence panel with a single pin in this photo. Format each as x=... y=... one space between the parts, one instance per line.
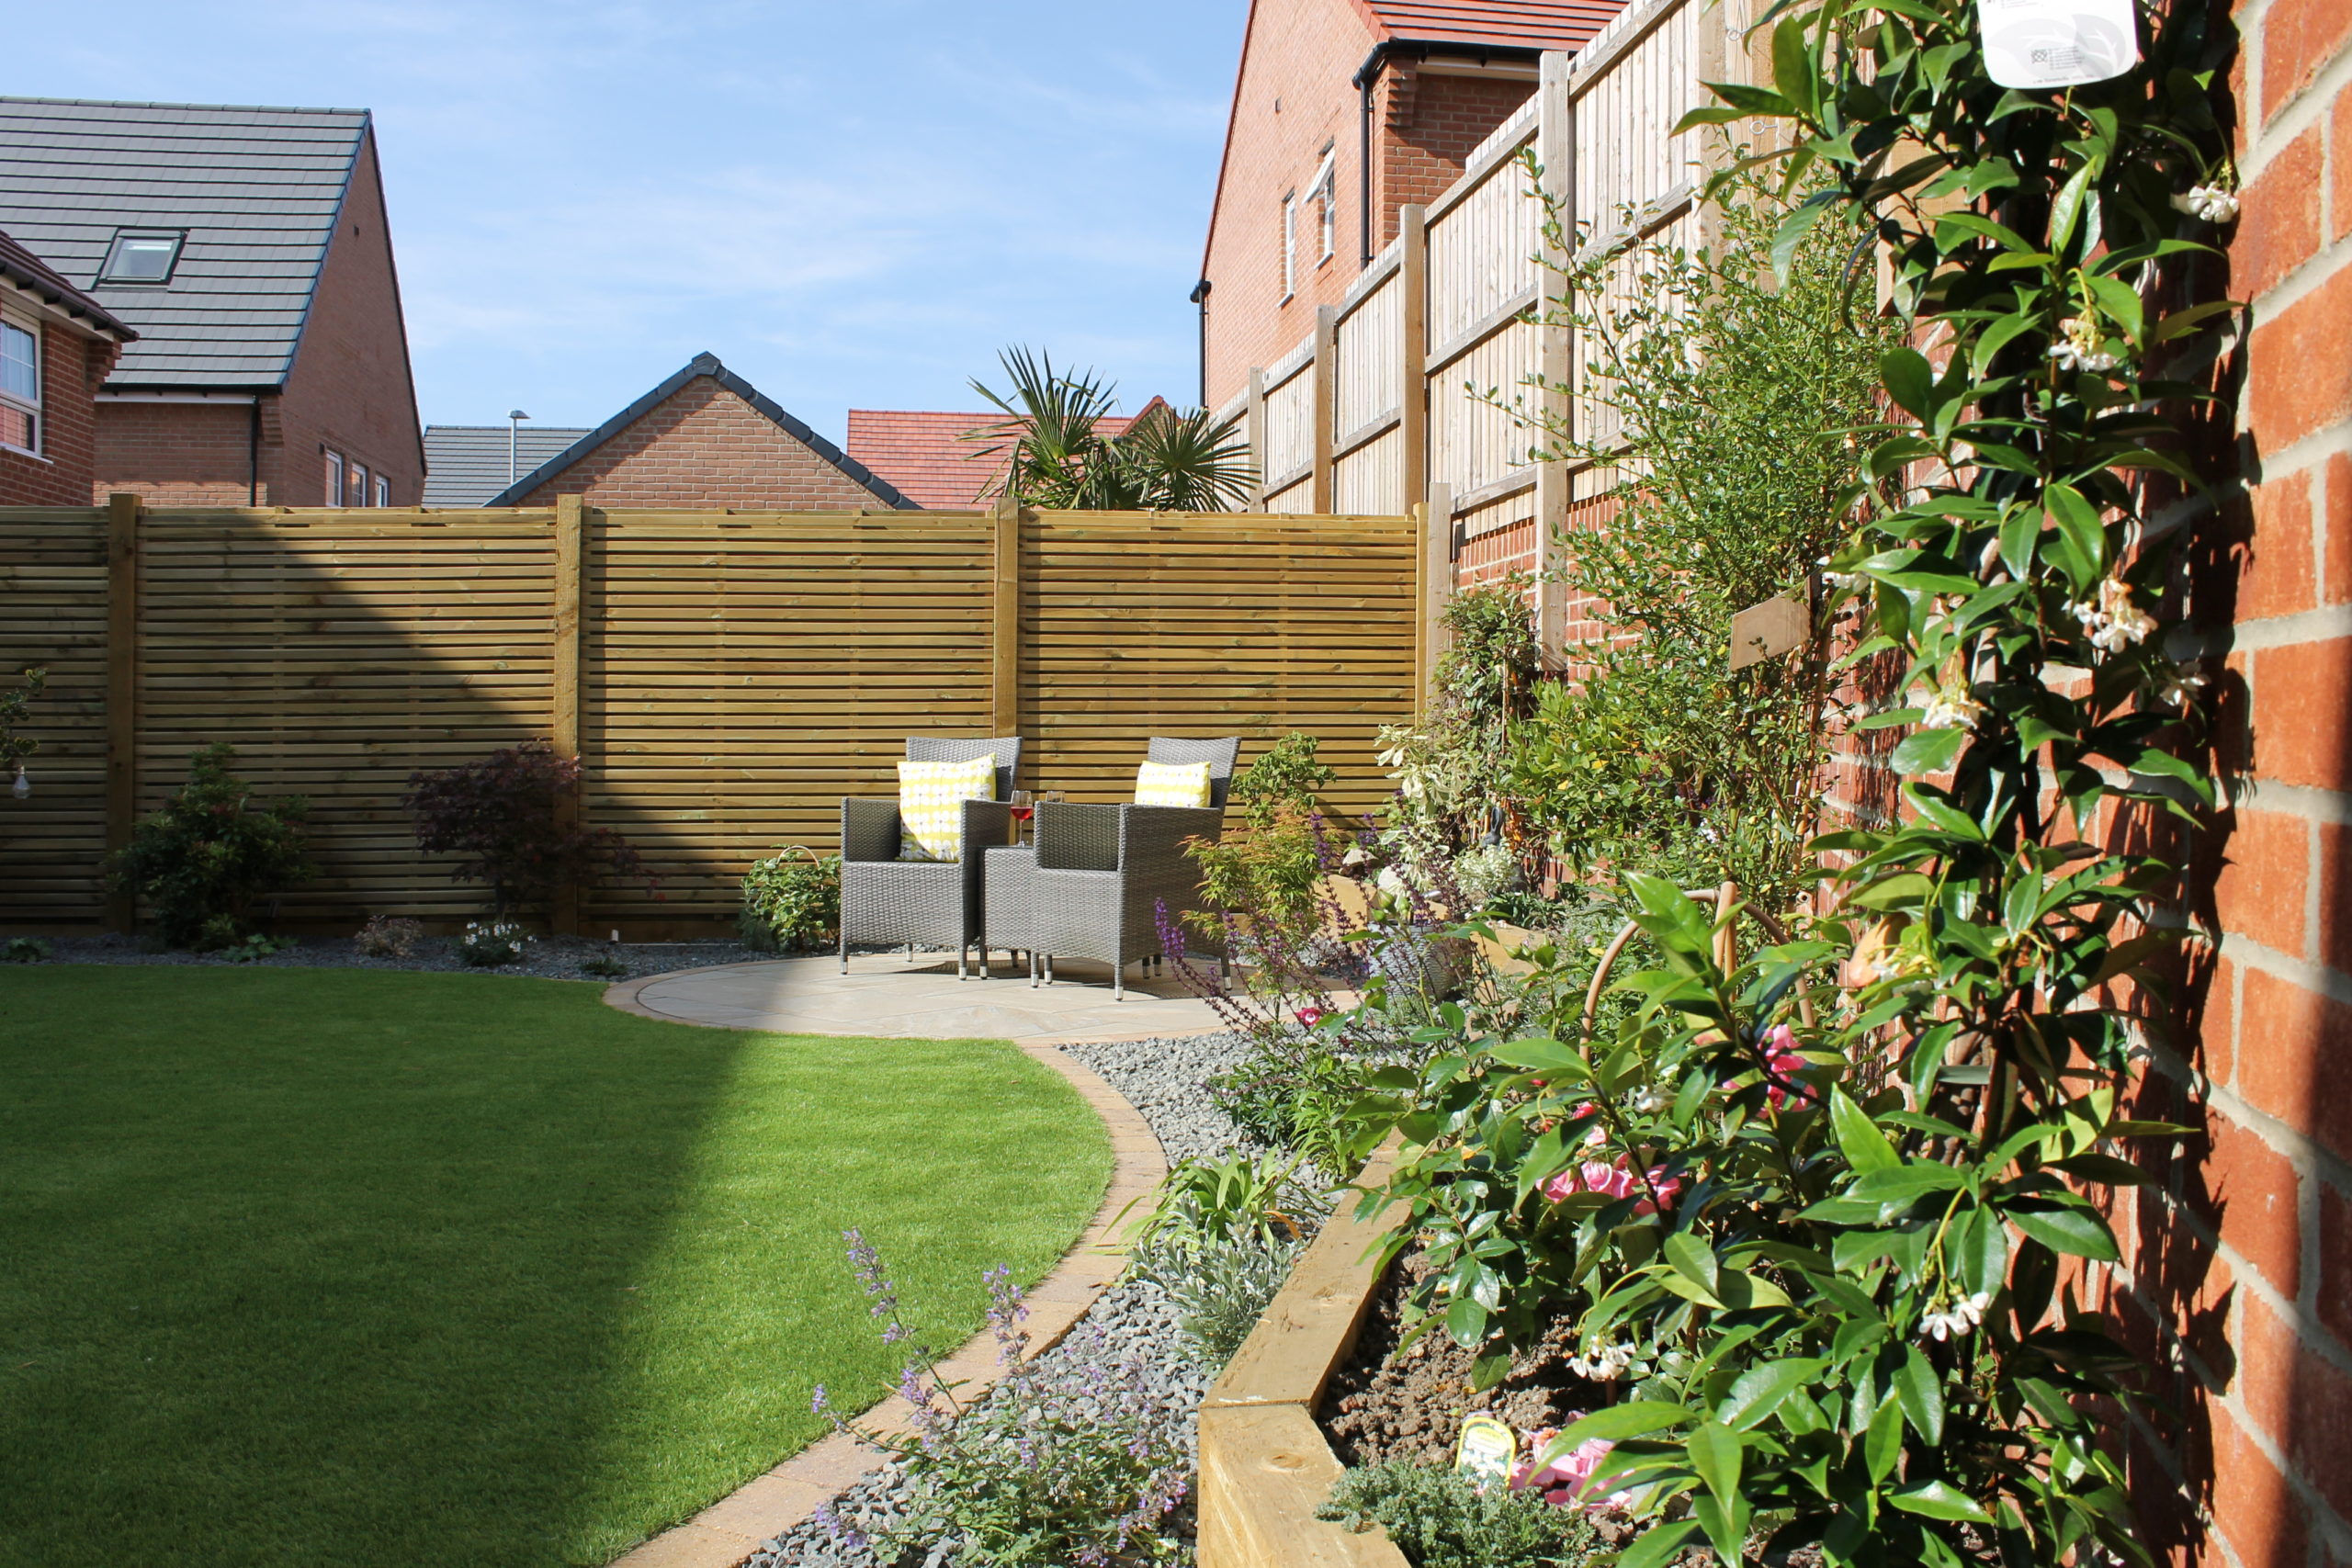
x=739 y=672
x=54 y=616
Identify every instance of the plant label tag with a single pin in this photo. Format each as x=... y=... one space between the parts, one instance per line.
x=2040 y=44
x=1487 y=1449
x=1768 y=630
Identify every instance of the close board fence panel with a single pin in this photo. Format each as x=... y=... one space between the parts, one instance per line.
x=725 y=677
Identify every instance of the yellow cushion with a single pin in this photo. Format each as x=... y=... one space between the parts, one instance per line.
x=931 y=805
x=1172 y=783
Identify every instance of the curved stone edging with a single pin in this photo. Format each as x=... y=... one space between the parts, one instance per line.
x=731 y=1529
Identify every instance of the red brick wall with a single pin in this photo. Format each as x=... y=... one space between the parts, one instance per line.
x=1427 y=125
x=705 y=447
x=1293 y=97
x=2249 y=1273
x=72 y=365
x=350 y=390
x=180 y=454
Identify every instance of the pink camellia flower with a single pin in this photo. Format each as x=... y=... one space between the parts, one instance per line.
x=1564 y=1480
x=1615 y=1180
x=1786 y=1063
x=1310 y=1016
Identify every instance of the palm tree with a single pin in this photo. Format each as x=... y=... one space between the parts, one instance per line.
x=1052 y=451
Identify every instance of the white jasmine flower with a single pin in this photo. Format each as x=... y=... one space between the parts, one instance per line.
x=1958 y=1320
x=2079 y=348
x=1953 y=708
x=2115 y=623
x=2214 y=204
x=2180 y=688
x=1646 y=1102
x=1602 y=1363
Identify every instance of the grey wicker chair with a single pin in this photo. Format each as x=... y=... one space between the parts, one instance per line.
x=893 y=901
x=1103 y=873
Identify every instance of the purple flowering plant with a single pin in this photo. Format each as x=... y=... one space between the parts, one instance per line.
x=1071 y=1461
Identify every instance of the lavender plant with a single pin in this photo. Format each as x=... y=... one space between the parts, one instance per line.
x=1072 y=1459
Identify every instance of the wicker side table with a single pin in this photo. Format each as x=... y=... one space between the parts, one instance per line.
x=1009 y=894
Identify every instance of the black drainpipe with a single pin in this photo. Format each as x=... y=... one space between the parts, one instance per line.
x=1200 y=296
x=1364 y=77
x=252 y=452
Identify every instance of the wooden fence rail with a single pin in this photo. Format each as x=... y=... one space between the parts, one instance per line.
x=725 y=677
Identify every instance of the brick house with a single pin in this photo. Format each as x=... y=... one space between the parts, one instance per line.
x=249 y=248
x=1344 y=111
x=56 y=347
x=705 y=438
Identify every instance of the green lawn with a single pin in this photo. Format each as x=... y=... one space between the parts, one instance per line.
x=331 y=1268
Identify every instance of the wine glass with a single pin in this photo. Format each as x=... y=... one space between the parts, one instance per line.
x=1023 y=807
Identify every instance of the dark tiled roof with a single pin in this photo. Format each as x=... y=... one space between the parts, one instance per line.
x=1501 y=24
x=257 y=190
x=29 y=272
x=465 y=465
x=705 y=364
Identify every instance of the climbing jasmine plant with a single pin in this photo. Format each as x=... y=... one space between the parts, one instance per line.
x=1814 y=1213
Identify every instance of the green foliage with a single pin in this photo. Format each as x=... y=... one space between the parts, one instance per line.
x=1734 y=395
x=1050 y=449
x=1440 y=1518
x=605 y=966
x=1265 y=871
x=792 y=901
x=1812 y=1208
x=388 y=936
x=492 y=944
x=13 y=704
x=202 y=861
x=24 y=950
x=1249 y=1195
x=255 y=948
x=1223 y=1289
x=1447 y=782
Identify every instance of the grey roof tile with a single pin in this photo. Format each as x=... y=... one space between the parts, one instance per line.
x=465 y=465
x=257 y=189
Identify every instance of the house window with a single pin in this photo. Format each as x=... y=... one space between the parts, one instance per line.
x=334 y=478
x=143 y=257
x=1289 y=245
x=359 y=485
x=1324 y=195
x=19 y=387
x=383 y=490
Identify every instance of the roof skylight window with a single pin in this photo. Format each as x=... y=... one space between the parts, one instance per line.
x=142 y=256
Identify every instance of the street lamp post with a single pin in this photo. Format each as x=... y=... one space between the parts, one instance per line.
x=514 y=418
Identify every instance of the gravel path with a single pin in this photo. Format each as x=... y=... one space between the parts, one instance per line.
x=547 y=958
x=1163 y=1079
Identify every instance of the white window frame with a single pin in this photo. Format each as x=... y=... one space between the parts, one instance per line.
x=1323 y=192
x=33 y=410
x=1289 y=244
x=342 y=472
x=383 y=492
x=356 y=475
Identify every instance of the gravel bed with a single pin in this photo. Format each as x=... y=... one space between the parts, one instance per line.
x=547 y=958
x=1164 y=1078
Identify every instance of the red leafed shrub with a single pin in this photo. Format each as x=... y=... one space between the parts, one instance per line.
x=501 y=816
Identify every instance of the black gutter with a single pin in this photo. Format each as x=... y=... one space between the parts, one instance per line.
x=1200 y=296
x=252 y=452
x=1369 y=72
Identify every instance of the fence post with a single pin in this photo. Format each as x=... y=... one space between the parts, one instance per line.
x=122 y=693
x=1556 y=149
x=1004 y=705
x=564 y=723
x=1436 y=574
x=1326 y=405
x=1413 y=334
x=1257 y=417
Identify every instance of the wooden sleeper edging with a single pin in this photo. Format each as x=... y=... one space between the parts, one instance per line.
x=1265 y=1465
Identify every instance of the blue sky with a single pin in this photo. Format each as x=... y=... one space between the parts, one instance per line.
x=853 y=205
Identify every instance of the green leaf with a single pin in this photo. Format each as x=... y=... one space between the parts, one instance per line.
x=1761 y=1390
x=1905 y=888
x=1910 y=381
x=1658 y=1544
x=1922 y=1394
x=1693 y=1259
x=1540 y=1055
x=1939 y=1500
x=1466 y=1320
x=2062 y=1228
x=2066 y=209
x=1792 y=70
x=1912 y=1182
x=2078 y=521
x=1726 y=1523
x=1882 y=1444
x=1717 y=1454
x=1793 y=231
x=1865 y=1147
x=1927 y=752
x=1636 y=1418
